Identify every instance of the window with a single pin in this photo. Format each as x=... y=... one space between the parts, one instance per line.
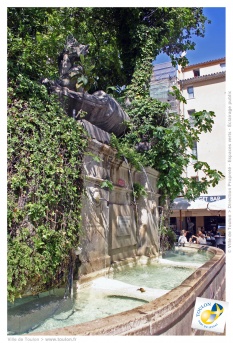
x=195 y=178
x=223 y=66
x=194 y=151
x=190 y=92
x=196 y=72
x=191 y=119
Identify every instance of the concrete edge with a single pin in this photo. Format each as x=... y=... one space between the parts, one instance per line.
x=161 y=315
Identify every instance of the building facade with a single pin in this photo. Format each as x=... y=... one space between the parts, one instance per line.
x=204 y=88
x=164 y=76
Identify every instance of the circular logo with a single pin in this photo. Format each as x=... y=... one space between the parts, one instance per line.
x=209 y=316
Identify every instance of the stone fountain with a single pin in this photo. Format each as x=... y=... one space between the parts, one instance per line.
x=115 y=225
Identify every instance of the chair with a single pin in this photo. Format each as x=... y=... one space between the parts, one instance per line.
x=211 y=242
x=222 y=246
x=219 y=240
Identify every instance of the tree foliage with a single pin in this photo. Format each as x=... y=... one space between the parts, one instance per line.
x=45 y=150
x=171 y=139
x=45 y=147
x=118 y=37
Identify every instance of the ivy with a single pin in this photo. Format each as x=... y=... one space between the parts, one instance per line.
x=167 y=239
x=138 y=190
x=127 y=152
x=107 y=184
x=45 y=147
x=45 y=185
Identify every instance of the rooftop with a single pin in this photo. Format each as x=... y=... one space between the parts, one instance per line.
x=218 y=60
x=203 y=77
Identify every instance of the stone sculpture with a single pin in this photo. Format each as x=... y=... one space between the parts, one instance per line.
x=100 y=109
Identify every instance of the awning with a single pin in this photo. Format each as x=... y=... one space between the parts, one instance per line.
x=184 y=204
x=219 y=205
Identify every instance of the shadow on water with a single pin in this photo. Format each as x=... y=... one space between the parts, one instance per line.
x=122 y=297
x=23 y=317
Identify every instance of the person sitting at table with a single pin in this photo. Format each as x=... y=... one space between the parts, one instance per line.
x=200 y=238
x=188 y=235
x=214 y=231
x=203 y=230
x=208 y=235
x=193 y=238
x=182 y=239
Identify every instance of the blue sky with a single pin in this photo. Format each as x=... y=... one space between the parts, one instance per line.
x=213 y=45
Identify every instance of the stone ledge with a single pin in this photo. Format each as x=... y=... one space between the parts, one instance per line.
x=166 y=315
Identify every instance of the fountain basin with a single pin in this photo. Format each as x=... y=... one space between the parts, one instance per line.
x=170 y=314
x=101 y=297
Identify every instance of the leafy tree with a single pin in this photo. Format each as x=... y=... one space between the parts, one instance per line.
x=45 y=147
x=122 y=37
x=171 y=138
x=119 y=39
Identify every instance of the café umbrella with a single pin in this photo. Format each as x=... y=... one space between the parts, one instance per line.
x=184 y=204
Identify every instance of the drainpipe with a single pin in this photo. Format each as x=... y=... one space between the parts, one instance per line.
x=183 y=114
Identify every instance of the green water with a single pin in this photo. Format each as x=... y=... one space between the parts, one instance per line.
x=154 y=276
x=188 y=256
x=90 y=304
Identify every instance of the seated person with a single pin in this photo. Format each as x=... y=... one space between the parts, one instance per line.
x=188 y=235
x=214 y=231
x=203 y=230
x=193 y=238
x=200 y=238
x=208 y=235
x=182 y=239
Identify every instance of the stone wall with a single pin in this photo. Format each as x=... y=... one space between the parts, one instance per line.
x=115 y=225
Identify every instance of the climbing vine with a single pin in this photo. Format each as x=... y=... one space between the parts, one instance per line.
x=126 y=151
x=45 y=147
x=45 y=185
x=167 y=239
x=139 y=190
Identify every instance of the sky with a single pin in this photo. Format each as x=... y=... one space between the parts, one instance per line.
x=213 y=45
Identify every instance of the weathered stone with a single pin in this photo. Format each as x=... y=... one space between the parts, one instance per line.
x=96 y=133
x=110 y=218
